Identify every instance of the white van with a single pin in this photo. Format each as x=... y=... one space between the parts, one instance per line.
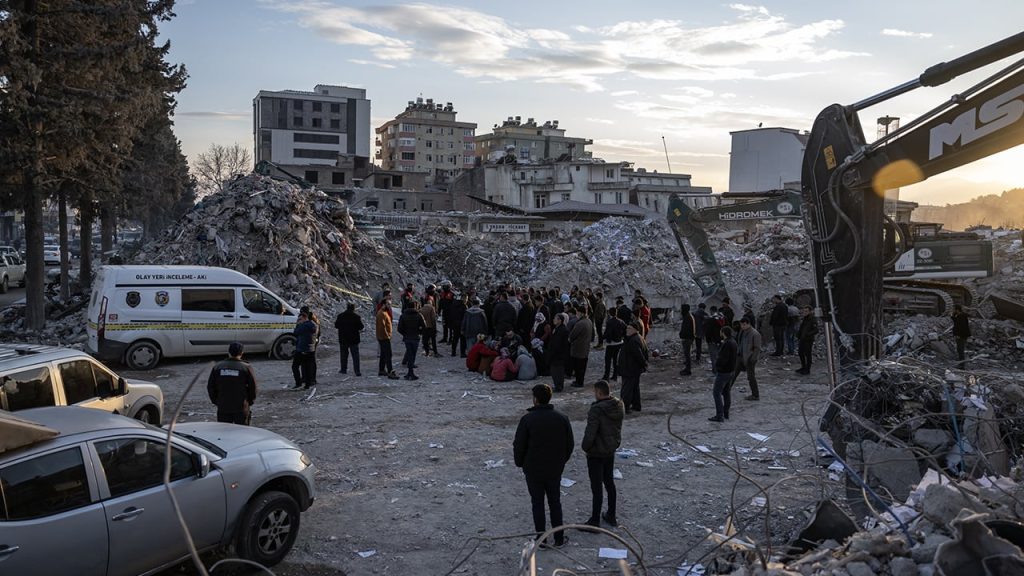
x=138 y=314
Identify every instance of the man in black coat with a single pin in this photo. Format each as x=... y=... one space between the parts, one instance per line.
x=805 y=338
x=349 y=326
x=633 y=359
x=455 y=312
x=687 y=333
x=558 y=352
x=232 y=387
x=600 y=441
x=778 y=321
x=725 y=367
x=504 y=315
x=541 y=448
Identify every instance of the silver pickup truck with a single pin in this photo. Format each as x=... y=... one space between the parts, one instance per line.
x=12 y=271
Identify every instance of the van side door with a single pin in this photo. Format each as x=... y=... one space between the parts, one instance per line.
x=262 y=319
x=208 y=318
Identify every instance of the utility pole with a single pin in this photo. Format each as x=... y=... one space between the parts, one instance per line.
x=665 y=146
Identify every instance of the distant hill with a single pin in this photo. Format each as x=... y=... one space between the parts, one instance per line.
x=1006 y=210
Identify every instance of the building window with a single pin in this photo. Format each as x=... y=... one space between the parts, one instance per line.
x=618 y=197
x=451 y=159
x=524 y=153
x=426 y=205
x=577 y=168
x=430 y=143
x=316 y=122
x=335 y=124
x=337 y=177
x=609 y=173
x=408 y=127
x=522 y=175
x=647 y=202
x=296 y=104
x=467 y=159
x=467 y=132
x=540 y=200
x=312 y=176
x=406 y=141
x=451 y=145
x=398 y=204
x=318 y=154
x=597 y=197
x=408 y=155
x=467 y=146
x=265 y=136
x=317 y=106
x=656 y=209
x=297 y=121
x=430 y=129
x=336 y=108
x=430 y=158
x=316 y=138
x=396 y=180
x=566 y=196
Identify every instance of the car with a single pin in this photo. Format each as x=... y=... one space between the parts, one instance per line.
x=89 y=500
x=12 y=271
x=34 y=375
x=51 y=254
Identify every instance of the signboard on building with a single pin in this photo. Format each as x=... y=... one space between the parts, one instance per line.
x=506 y=228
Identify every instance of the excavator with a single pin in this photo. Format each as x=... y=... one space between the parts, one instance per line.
x=916 y=279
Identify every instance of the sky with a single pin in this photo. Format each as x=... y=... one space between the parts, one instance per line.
x=625 y=74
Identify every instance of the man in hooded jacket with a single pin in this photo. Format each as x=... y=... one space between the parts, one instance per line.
x=600 y=441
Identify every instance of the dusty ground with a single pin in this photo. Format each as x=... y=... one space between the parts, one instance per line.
x=414 y=470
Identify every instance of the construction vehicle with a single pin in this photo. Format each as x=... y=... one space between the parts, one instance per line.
x=914 y=278
x=844 y=178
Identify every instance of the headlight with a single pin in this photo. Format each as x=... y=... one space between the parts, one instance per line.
x=305 y=459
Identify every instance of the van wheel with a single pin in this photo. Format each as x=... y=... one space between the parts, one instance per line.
x=143 y=355
x=284 y=347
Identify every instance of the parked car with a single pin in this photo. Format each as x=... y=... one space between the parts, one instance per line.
x=33 y=375
x=51 y=254
x=90 y=500
x=12 y=271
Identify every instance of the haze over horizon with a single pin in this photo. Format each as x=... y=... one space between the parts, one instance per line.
x=621 y=74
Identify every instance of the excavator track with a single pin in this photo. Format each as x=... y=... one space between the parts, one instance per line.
x=901 y=299
x=961 y=294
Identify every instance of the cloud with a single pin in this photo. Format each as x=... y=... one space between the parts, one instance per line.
x=489 y=48
x=371 y=63
x=213 y=115
x=904 y=33
x=600 y=120
x=626 y=93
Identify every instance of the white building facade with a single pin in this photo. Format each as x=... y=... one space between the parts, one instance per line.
x=764 y=159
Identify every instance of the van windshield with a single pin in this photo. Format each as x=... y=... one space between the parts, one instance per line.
x=260 y=302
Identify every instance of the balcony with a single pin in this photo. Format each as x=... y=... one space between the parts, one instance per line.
x=616 y=185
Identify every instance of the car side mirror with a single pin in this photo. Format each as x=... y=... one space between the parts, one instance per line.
x=122 y=387
x=201 y=463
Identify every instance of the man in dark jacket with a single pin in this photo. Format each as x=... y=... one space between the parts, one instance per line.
x=699 y=317
x=624 y=312
x=445 y=300
x=602 y=437
x=504 y=315
x=961 y=331
x=727 y=312
x=632 y=363
x=454 y=314
x=232 y=387
x=687 y=333
x=474 y=322
x=349 y=325
x=305 y=353
x=778 y=321
x=580 y=336
x=525 y=318
x=411 y=326
x=558 y=352
x=725 y=367
x=805 y=338
x=541 y=448
x=614 y=335
x=600 y=314
x=713 y=334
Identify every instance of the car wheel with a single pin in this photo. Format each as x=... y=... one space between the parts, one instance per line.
x=268 y=529
x=284 y=347
x=143 y=355
x=3 y=286
x=148 y=415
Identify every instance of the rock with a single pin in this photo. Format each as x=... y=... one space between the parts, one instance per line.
x=942 y=503
x=859 y=569
x=924 y=553
x=900 y=566
x=932 y=439
x=894 y=468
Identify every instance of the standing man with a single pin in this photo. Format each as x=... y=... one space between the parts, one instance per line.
x=962 y=331
x=724 y=367
x=558 y=351
x=713 y=334
x=410 y=326
x=632 y=363
x=305 y=334
x=699 y=317
x=805 y=339
x=614 y=334
x=600 y=313
x=232 y=387
x=580 y=337
x=504 y=315
x=447 y=298
x=541 y=448
x=383 y=332
x=602 y=437
x=349 y=325
x=429 y=327
x=749 y=346
x=727 y=312
x=687 y=332
x=792 y=326
x=455 y=312
x=778 y=321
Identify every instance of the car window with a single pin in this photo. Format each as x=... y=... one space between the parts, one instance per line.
x=29 y=388
x=104 y=381
x=133 y=464
x=79 y=383
x=259 y=302
x=208 y=299
x=45 y=485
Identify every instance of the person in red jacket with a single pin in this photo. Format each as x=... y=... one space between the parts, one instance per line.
x=477 y=352
x=504 y=369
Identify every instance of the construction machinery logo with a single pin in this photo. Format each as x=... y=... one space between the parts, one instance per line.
x=748 y=214
x=785 y=208
x=998 y=113
x=925 y=253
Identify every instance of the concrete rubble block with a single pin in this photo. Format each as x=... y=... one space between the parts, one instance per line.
x=932 y=439
x=924 y=552
x=976 y=549
x=877 y=544
x=942 y=503
x=900 y=566
x=859 y=569
x=981 y=430
x=894 y=468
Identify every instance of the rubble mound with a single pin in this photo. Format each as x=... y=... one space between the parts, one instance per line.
x=299 y=243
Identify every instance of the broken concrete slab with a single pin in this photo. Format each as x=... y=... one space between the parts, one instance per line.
x=894 y=468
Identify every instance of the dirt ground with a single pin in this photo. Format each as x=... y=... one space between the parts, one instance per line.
x=414 y=475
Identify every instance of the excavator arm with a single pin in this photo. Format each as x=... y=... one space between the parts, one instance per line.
x=844 y=179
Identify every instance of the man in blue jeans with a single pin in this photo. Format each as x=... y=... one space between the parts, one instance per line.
x=725 y=369
x=349 y=325
x=411 y=326
x=600 y=441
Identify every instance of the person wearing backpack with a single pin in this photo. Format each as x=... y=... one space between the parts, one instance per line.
x=633 y=358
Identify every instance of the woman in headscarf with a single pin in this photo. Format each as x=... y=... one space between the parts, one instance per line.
x=503 y=369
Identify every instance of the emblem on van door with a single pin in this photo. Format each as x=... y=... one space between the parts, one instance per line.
x=162 y=297
x=133 y=299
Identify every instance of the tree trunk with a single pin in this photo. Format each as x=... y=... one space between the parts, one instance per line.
x=86 y=215
x=65 y=253
x=106 y=229
x=35 y=301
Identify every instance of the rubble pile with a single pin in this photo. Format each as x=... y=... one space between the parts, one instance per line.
x=994 y=342
x=774 y=261
x=301 y=244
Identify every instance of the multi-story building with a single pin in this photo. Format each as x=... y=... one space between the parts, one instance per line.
x=323 y=135
x=529 y=142
x=535 y=187
x=425 y=137
x=764 y=159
